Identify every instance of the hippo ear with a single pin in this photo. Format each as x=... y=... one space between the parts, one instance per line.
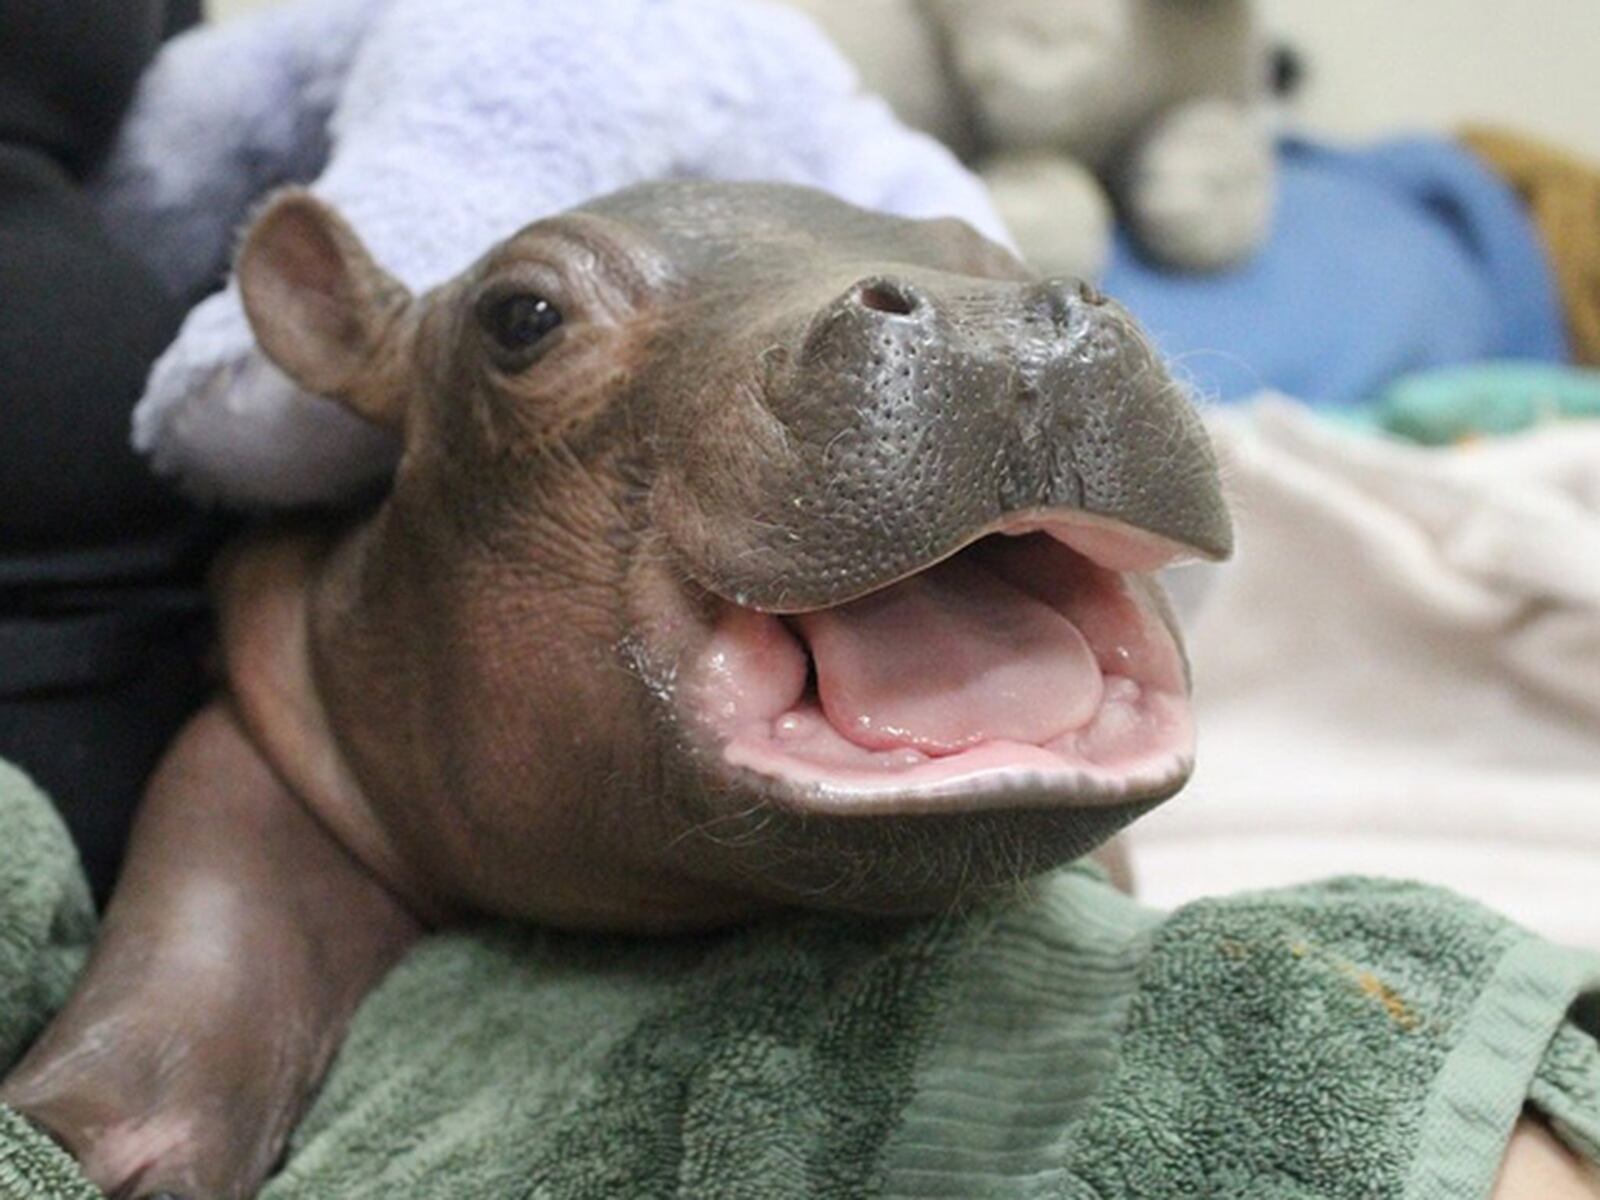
x=322 y=309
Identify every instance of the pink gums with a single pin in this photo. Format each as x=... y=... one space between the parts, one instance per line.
x=1017 y=661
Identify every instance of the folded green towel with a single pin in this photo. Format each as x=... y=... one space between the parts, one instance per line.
x=1357 y=1039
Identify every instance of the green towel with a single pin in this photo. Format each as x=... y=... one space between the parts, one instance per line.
x=1357 y=1039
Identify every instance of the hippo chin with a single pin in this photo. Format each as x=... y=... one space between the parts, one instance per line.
x=747 y=548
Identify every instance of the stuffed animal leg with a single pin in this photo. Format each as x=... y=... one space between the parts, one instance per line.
x=1198 y=187
x=1073 y=108
x=1056 y=209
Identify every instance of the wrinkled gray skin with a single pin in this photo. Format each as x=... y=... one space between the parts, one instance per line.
x=907 y=404
x=469 y=699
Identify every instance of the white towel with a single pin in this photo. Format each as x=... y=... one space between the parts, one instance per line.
x=1400 y=672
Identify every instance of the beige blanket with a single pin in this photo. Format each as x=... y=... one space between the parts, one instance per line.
x=1400 y=672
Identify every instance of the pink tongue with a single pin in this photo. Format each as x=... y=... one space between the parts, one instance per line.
x=950 y=658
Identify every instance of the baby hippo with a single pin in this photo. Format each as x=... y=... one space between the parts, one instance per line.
x=747 y=549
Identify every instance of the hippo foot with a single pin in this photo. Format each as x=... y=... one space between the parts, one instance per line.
x=165 y=1097
x=239 y=942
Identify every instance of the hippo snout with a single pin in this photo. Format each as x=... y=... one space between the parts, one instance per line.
x=894 y=318
x=920 y=410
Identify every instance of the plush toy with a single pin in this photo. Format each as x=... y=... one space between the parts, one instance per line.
x=439 y=127
x=1077 y=109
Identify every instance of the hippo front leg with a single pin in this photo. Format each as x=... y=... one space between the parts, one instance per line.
x=237 y=946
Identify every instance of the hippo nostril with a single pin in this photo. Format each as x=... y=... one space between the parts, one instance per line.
x=1089 y=294
x=887 y=296
x=1070 y=304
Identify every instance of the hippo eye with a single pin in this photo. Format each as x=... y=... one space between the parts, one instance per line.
x=518 y=322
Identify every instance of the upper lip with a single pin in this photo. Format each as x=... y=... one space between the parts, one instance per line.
x=1115 y=545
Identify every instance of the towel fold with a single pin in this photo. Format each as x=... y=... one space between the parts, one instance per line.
x=1356 y=1039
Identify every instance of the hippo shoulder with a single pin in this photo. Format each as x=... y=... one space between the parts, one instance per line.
x=261 y=588
x=267 y=590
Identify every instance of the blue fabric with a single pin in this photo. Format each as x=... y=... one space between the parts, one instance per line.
x=1384 y=261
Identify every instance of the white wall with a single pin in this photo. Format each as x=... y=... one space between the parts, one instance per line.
x=1382 y=65
x=1378 y=65
x=228 y=8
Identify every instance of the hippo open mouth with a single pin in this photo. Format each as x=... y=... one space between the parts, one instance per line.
x=1033 y=658
x=927 y=503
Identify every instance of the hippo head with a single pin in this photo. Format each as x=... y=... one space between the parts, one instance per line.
x=747 y=541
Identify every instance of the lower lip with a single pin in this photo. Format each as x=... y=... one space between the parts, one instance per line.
x=1134 y=749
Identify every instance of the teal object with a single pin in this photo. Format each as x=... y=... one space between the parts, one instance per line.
x=1355 y=1040
x=1440 y=408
